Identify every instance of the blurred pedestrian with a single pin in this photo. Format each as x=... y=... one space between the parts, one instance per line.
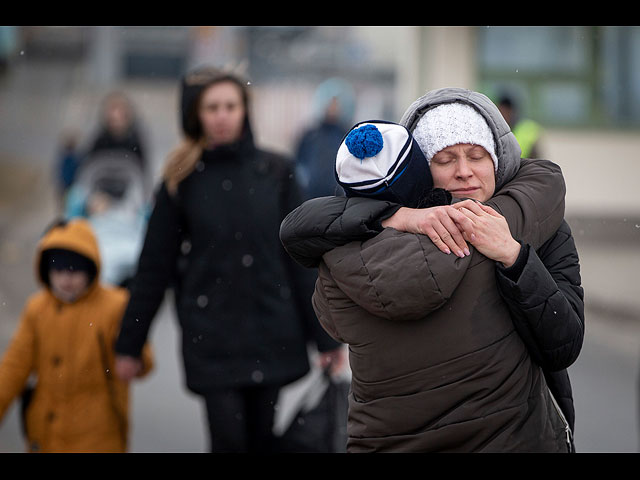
x=119 y=128
x=65 y=338
x=453 y=357
x=527 y=131
x=333 y=107
x=67 y=165
x=108 y=183
x=244 y=307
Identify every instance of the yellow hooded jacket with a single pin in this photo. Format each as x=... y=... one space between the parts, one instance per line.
x=79 y=404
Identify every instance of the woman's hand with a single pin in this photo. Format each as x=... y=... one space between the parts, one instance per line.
x=127 y=368
x=491 y=235
x=444 y=225
x=334 y=360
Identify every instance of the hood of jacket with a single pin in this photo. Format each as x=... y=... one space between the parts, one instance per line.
x=75 y=235
x=506 y=146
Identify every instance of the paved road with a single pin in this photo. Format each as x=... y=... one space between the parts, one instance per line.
x=605 y=386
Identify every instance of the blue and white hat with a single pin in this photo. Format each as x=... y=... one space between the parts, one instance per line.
x=381 y=160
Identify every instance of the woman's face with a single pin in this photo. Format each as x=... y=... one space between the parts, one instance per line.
x=118 y=116
x=222 y=113
x=466 y=170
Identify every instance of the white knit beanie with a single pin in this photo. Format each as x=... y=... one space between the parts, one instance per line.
x=450 y=124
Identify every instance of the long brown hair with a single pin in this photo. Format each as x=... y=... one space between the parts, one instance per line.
x=182 y=161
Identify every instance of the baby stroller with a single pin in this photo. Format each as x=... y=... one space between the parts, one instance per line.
x=111 y=191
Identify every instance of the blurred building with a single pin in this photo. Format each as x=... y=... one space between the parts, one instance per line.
x=582 y=84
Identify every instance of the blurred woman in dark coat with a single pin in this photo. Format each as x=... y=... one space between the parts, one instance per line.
x=244 y=307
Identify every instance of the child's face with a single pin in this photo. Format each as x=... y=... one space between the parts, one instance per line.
x=68 y=285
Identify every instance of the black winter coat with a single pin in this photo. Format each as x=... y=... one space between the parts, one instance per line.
x=544 y=294
x=244 y=307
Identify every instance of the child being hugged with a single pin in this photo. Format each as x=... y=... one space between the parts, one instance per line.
x=65 y=339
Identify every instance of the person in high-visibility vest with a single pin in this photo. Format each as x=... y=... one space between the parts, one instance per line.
x=526 y=131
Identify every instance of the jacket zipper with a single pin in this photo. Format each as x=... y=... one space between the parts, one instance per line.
x=567 y=429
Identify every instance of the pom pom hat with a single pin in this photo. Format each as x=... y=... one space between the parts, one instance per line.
x=381 y=160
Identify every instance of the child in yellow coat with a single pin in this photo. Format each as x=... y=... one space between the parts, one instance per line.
x=65 y=337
